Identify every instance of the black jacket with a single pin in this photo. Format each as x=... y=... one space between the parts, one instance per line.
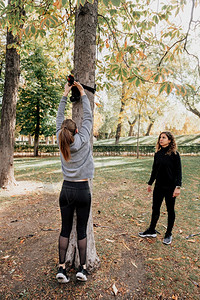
x=166 y=169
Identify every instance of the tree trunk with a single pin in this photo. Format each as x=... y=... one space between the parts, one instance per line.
x=149 y=129
x=37 y=131
x=84 y=71
x=131 y=126
x=119 y=125
x=8 y=114
x=138 y=136
x=30 y=140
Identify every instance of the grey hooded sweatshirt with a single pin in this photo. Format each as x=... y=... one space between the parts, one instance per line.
x=81 y=165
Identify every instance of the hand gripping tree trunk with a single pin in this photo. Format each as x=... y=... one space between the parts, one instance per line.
x=8 y=114
x=84 y=71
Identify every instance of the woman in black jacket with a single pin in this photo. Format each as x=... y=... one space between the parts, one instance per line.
x=166 y=172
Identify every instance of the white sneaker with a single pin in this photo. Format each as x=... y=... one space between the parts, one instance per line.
x=81 y=274
x=167 y=239
x=62 y=276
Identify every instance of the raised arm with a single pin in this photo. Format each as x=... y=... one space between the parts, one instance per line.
x=86 y=127
x=61 y=109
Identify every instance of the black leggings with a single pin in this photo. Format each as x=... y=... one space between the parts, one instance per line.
x=158 y=195
x=74 y=196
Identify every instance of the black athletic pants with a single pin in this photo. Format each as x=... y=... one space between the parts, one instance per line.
x=159 y=194
x=74 y=196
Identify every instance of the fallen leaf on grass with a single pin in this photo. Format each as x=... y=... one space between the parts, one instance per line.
x=149 y=240
x=134 y=236
x=133 y=264
x=5 y=257
x=159 y=258
x=110 y=241
x=138 y=224
x=115 y=290
x=191 y=241
x=174 y=297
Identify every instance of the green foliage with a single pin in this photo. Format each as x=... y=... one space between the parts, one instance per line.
x=39 y=96
x=110 y=149
x=123 y=148
x=144 y=149
x=41 y=148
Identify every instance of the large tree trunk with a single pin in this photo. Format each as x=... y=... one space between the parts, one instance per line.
x=84 y=71
x=8 y=115
x=120 y=119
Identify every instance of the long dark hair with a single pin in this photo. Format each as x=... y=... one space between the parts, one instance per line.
x=66 y=137
x=172 y=144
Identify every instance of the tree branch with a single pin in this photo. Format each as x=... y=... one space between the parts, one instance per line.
x=179 y=41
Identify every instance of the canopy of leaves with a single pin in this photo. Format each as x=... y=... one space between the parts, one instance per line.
x=40 y=90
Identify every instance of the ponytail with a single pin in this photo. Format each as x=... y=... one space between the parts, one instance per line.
x=66 y=137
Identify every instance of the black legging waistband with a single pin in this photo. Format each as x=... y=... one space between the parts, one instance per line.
x=76 y=184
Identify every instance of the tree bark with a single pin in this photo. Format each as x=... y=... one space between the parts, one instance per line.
x=8 y=115
x=37 y=131
x=138 y=136
x=84 y=71
x=119 y=125
x=131 y=126
x=191 y=106
x=149 y=129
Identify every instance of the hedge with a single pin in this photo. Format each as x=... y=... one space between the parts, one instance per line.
x=144 y=149
x=41 y=148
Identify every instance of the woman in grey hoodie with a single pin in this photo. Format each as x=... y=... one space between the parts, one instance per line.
x=77 y=167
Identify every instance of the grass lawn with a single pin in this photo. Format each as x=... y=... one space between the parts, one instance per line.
x=140 y=268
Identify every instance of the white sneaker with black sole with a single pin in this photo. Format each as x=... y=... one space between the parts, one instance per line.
x=148 y=233
x=167 y=239
x=81 y=274
x=62 y=276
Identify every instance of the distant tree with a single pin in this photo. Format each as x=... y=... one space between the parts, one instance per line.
x=132 y=124
x=38 y=97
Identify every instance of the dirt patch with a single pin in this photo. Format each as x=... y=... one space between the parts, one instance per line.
x=26 y=187
x=29 y=257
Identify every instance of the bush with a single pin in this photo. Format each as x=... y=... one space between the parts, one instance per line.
x=41 y=148
x=118 y=149
x=144 y=149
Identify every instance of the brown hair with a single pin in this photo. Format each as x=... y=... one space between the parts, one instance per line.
x=66 y=137
x=172 y=144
